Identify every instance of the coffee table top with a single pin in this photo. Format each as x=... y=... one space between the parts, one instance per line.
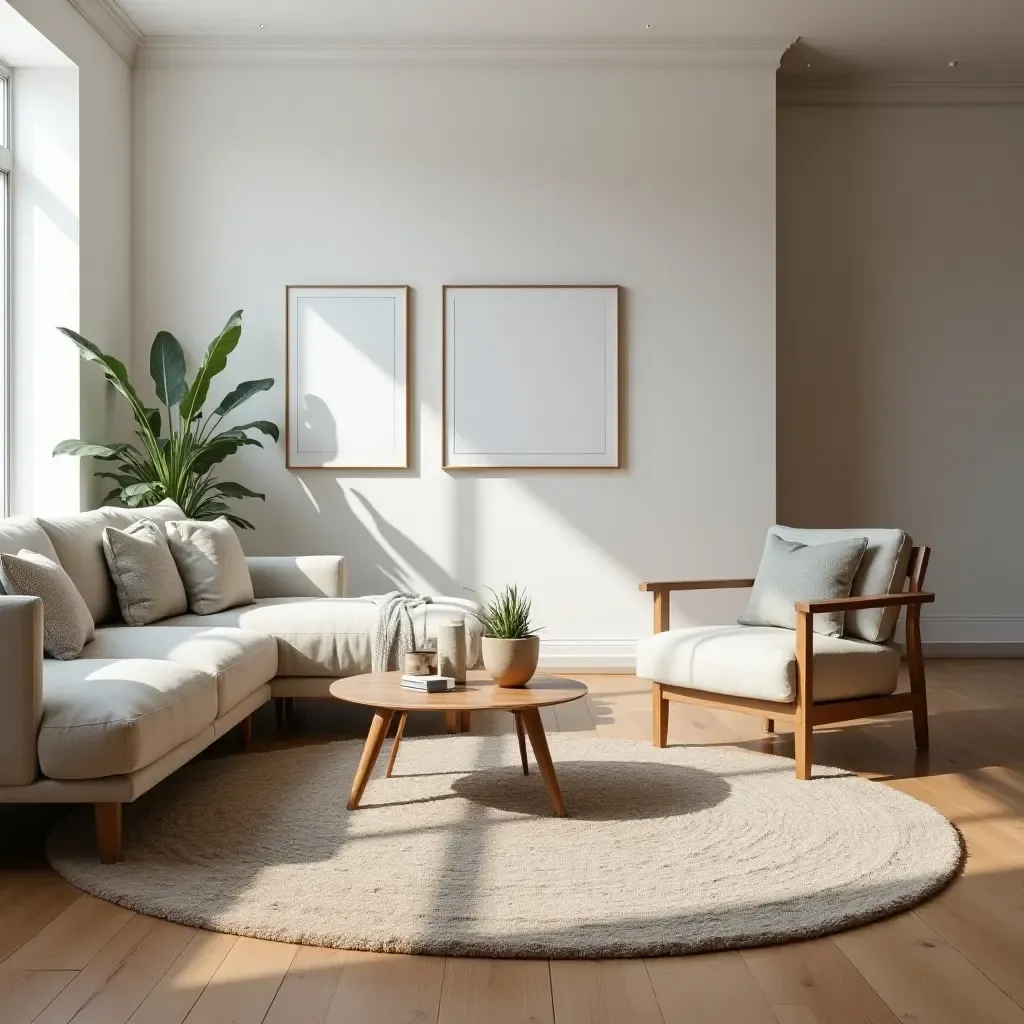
x=481 y=693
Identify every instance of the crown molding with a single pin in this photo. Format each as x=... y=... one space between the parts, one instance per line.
x=627 y=52
x=112 y=24
x=881 y=91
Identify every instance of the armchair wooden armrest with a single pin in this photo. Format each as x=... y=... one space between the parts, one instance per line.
x=662 y=589
x=852 y=604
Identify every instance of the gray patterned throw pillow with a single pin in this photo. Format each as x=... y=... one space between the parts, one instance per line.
x=67 y=621
x=144 y=574
x=791 y=572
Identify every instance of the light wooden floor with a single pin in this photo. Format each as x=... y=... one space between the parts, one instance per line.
x=958 y=959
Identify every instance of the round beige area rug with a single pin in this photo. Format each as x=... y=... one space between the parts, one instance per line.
x=665 y=851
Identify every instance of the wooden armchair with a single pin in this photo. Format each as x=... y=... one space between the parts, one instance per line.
x=803 y=708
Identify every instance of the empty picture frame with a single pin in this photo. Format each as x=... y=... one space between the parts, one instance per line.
x=531 y=377
x=347 y=377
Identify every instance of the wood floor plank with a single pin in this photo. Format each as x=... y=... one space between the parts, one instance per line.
x=496 y=991
x=575 y=717
x=172 y=999
x=388 y=989
x=921 y=977
x=25 y=994
x=603 y=992
x=115 y=983
x=244 y=986
x=708 y=989
x=26 y=913
x=104 y=968
x=979 y=920
x=308 y=988
x=72 y=938
x=814 y=983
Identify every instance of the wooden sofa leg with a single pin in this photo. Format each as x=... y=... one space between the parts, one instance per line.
x=108 y=832
x=768 y=724
x=279 y=712
x=245 y=727
x=660 y=720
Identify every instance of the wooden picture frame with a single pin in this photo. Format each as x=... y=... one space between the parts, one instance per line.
x=548 y=358
x=347 y=377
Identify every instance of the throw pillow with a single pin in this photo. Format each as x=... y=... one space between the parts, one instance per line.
x=791 y=572
x=145 y=577
x=67 y=621
x=211 y=563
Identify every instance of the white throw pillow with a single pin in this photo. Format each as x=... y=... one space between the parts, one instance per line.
x=67 y=622
x=211 y=564
x=791 y=572
x=145 y=577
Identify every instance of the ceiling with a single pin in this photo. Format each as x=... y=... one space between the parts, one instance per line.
x=985 y=37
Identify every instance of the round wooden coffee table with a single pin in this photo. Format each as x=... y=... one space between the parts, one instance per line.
x=384 y=693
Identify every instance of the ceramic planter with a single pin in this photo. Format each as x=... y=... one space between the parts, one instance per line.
x=511 y=662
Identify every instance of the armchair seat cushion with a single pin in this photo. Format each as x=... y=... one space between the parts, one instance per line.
x=331 y=636
x=760 y=662
x=112 y=717
x=241 y=661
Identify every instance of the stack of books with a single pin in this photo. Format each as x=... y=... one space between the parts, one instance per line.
x=431 y=684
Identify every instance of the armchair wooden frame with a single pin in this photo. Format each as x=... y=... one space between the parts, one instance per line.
x=803 y=712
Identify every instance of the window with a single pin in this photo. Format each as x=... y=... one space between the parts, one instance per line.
x=5 y=273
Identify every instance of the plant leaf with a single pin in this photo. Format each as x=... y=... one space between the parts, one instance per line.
x=263 y=426
x=113 y=369
x=242 y=524
x=87 y=449
x=215 y=360
x=153 y=419
x=244 y=391
x=217 y=450
x=141 y=489
x=233 y=490
x=167 y=368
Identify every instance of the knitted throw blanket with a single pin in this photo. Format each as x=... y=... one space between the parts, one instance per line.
x=393 y=636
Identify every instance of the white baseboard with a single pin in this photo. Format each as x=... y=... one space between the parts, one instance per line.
x=595 y=656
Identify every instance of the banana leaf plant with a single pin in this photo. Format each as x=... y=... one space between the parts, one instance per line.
x=181 y=462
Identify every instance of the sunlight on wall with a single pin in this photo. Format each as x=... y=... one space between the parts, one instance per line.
x=46 y=370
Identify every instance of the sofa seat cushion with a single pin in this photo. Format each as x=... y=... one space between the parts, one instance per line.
x=331 y=636
x=760 y=662
x=240 y=660
x=114 y=716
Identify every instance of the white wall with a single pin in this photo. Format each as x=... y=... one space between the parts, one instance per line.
x=662 y=181
x=102 y=117
x=901 y=342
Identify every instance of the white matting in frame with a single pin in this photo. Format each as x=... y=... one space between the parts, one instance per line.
x=531 y=377
x=348 y=377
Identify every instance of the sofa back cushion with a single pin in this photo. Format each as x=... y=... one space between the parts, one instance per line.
x=22 y=533
x=78 y=542
x=883 y=570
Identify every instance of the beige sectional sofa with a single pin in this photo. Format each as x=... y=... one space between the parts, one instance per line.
x=141 y=701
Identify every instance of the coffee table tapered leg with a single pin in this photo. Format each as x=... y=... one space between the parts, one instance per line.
x=402 y=717
x=535 y=730
x=521 y=736
x=374 y=741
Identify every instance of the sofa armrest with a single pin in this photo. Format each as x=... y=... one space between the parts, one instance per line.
x=21 y=688
x=298 y=576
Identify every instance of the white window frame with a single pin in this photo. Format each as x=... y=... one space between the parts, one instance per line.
x=6 y=286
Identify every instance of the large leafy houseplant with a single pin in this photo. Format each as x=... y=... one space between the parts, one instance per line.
x=179 y=463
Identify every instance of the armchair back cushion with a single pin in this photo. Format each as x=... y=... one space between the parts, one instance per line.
x=883 y=570
x=78 y=541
